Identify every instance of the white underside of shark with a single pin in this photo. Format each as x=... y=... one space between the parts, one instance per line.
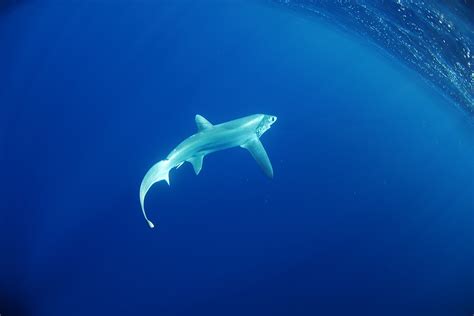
x=244 y=132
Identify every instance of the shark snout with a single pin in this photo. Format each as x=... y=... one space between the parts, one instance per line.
x=269 y=119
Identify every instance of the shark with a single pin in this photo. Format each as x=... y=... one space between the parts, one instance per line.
x=244 y=132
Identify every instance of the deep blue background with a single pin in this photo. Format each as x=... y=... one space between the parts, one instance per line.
x=371 y=211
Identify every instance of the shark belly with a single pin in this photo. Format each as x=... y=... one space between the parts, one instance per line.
x=204 y=143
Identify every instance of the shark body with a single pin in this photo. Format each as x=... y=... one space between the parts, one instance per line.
x=244 y=132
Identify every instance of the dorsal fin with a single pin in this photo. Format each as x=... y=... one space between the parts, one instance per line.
x=202 y=123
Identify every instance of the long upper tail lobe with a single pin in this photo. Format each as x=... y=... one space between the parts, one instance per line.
x=159 y=172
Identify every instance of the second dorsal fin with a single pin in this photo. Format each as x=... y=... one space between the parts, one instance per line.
x=202 y=123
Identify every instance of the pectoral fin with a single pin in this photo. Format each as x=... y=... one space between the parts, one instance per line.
x=256 y=149
x=197 y=163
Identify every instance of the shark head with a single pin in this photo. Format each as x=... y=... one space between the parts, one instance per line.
x=265 y=124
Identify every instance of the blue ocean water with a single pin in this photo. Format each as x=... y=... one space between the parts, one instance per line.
x=370 y=212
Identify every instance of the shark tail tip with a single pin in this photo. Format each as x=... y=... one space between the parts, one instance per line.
x=150 y=224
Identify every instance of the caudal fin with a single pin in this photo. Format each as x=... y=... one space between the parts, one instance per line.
x=157 y=173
